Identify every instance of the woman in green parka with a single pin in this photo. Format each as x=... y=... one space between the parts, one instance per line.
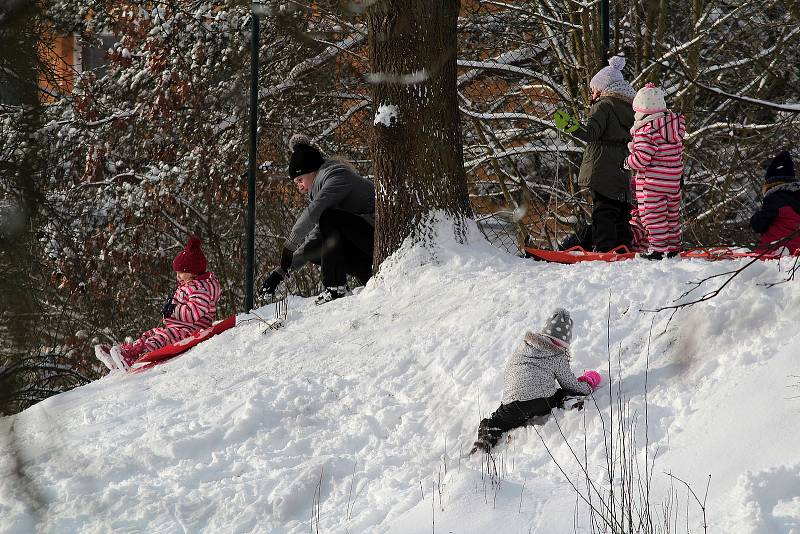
x=607 y=133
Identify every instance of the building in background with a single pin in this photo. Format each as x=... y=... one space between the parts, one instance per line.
x=67 y=58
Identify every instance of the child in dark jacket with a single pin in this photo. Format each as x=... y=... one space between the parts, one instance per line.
x=778 y=220
x=192 y=307
x=606 y=135
x=531 y=374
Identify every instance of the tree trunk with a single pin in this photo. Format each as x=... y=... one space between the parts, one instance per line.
x=649 y=47
x=416 y=143
x=687 y=100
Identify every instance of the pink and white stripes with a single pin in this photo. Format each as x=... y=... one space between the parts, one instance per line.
x=656 y=154
x=196 y=303
x=195 y=309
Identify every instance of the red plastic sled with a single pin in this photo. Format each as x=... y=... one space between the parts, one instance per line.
x=164 y=354
x=724 y=253
x=578 y=254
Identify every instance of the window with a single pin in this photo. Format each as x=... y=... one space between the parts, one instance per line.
x=95 y=58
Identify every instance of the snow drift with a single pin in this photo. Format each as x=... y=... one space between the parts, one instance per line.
x=353 y=417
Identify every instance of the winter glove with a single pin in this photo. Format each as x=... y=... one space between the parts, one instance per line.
x=286 y=259
x=592 y=378
x=271 y=282
x=564 y=121
x=168 y=308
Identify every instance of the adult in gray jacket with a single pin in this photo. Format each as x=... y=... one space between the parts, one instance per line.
x=530 y=384
x=336 y=229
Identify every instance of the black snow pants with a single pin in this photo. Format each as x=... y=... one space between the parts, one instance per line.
x=348 y=242
x=611 y=223
x=516 y=414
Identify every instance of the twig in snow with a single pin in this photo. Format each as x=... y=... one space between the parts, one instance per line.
x=350 y=495
x=700 y=503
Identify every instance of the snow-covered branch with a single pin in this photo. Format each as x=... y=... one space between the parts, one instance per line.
x=521 y=150
x=306 y=66
x=535 y=14
x=341 y=120
x=528 y=73
x=115 y=116
x=676 y=51
x=730 y=126
x=787 y=107
x=507 y=116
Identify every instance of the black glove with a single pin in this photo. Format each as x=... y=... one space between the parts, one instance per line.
x=168 y=308
x=271 y=282
x=286 y=259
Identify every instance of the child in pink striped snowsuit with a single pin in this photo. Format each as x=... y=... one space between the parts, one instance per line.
x=192 y=307
x=656 y=154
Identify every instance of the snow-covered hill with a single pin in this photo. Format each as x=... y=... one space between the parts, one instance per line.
x=353 y=417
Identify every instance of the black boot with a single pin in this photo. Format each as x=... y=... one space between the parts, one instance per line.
x=332 y=293
x=652 y=255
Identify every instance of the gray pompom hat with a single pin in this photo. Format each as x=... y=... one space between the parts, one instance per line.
x=559 y=326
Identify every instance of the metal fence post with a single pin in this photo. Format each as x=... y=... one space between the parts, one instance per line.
x=606 y=30
x=251 y=168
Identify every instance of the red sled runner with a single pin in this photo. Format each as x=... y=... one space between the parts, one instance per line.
x=164 y=354
x=578 y=254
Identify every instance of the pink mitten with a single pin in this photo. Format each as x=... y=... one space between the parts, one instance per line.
x=592 y=378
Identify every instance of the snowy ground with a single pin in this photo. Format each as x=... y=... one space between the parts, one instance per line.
x=353 y=417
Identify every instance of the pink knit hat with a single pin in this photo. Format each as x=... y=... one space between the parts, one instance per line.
x=649 y=99
x=191 y=259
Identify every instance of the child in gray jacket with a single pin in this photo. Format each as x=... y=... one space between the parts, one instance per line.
x=531 y=373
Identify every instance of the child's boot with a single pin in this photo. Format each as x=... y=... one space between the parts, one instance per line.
x=116 y=356
x=103 y=353
x=656 y=256
x=125 y=355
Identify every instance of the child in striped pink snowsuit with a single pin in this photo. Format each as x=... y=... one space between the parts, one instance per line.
x=192 y=307
x=656 y=154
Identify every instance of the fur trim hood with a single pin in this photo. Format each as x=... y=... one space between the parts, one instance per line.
x=671 y=126
x=544 y=346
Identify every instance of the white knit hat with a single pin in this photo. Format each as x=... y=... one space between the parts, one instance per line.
x=608 y=75
x=649 y=99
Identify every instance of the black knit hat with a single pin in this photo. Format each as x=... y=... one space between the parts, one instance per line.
x=780 y=169
x=305 y=157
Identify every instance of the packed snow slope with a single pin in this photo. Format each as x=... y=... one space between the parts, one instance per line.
x=354 y=416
